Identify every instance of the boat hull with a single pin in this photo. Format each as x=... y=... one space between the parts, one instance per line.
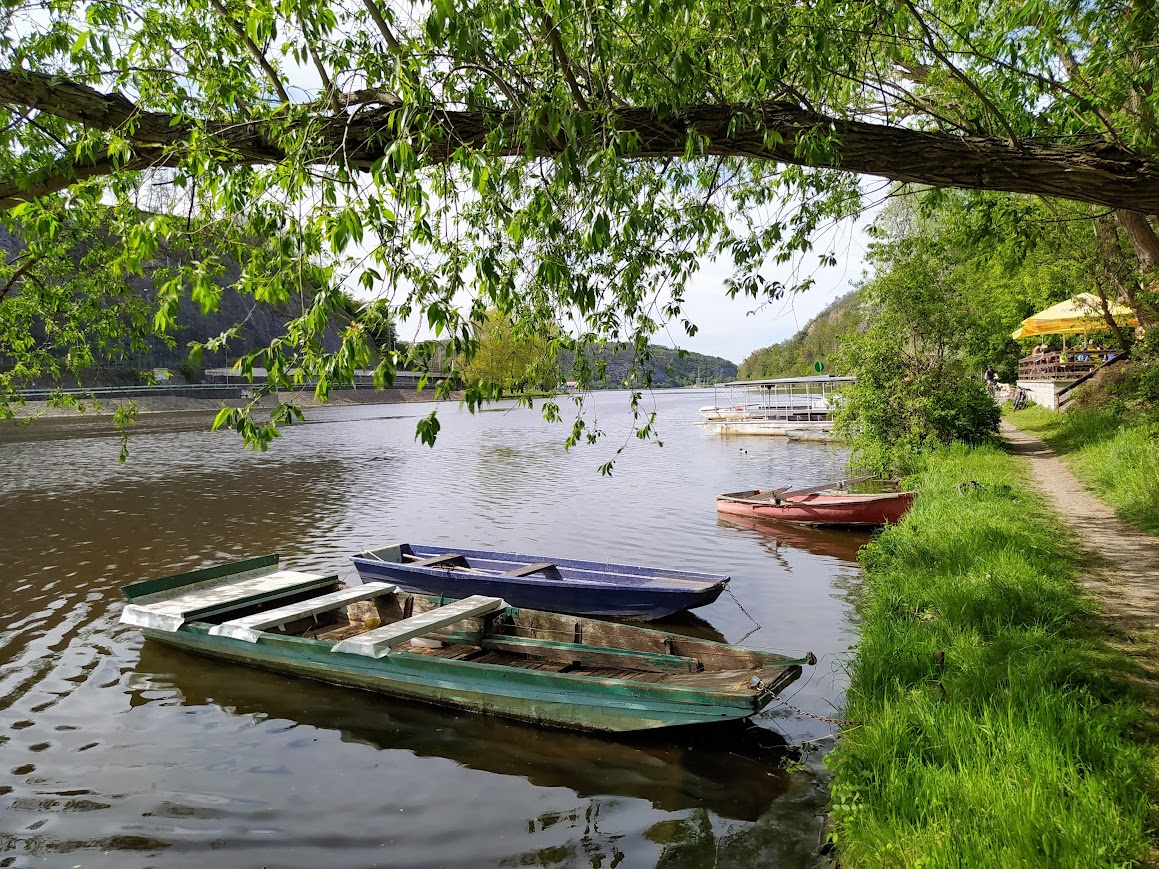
x=846 y=509
x=764 y=427
x=578 y=703
x=582 y=588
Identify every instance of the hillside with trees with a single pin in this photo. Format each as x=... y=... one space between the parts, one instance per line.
x=546 y=160
x=613 y=367
x=817 y=342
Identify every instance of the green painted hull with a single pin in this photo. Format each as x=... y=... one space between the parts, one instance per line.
x=561 y=700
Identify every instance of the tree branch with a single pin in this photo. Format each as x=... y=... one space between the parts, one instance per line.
x=14 y=278
x=959 y=75
x=258 y=54
x=1099 y=173
x=552 y=33
x=380 y=23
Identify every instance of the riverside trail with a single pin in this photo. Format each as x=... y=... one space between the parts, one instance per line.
x=1124 y=565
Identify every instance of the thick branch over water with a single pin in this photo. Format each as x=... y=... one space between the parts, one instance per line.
x=1098 y=173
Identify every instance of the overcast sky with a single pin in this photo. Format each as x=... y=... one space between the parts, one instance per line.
x=734 y=328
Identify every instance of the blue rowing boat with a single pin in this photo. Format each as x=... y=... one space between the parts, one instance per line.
x=586 y=588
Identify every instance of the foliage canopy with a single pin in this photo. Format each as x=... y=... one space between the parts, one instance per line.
x=567 y=164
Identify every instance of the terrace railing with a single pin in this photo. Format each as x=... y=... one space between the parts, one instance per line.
x=1071 y=365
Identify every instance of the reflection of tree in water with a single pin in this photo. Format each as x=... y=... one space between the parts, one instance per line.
x=590 y=847
x=126 y=529
x=693 y=841
x=688 y=841
x=504 y=469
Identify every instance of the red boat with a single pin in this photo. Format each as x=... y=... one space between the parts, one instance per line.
x=820 y=505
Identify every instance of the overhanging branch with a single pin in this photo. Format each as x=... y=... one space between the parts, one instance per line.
x=1103 y=174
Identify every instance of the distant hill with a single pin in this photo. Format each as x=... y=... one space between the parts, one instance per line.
x=815 y=343
x=668 y=367
x=260 y=323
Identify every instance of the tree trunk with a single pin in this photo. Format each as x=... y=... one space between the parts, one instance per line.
x=1117 y=269
x=1120 y=335
x=1142 y=236
x=1102 y=174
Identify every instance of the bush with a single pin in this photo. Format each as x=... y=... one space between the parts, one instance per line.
x=903 y=404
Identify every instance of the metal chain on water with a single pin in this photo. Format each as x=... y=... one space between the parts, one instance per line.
x=840 y=722
x=747 y=613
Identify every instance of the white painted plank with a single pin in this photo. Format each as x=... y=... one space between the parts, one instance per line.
x=250 y=628
x=169 y=615
x=377 y=643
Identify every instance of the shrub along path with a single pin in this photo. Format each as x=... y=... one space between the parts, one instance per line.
x=1125 y=560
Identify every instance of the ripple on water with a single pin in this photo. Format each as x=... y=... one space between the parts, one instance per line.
x=180 y=755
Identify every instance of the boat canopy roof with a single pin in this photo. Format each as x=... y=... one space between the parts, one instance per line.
x=791 y=381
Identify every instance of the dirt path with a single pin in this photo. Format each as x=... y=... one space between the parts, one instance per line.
x=1124 y=570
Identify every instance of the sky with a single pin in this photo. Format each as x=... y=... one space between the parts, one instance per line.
x=734 y=328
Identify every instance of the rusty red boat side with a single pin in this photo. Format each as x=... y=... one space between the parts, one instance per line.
x=819 y=508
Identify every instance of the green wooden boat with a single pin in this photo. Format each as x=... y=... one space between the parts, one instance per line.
x=476 y=653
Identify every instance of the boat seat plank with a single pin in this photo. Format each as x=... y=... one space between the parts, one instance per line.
x=593 y=656
x=448 y=559
x=377 y=643
x=528 y=569
x=249 y=628
x=170 y=614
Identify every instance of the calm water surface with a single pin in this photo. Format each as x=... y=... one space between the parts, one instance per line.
x=120 y=753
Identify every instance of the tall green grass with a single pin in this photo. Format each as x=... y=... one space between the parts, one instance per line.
x=1115 y=456
x=1022 y=750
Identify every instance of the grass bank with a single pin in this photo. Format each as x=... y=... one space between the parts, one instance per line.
x=1116 y=457
x=1022 y=749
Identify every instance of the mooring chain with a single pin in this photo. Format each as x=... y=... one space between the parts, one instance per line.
x=840 y=722
x=747 y=613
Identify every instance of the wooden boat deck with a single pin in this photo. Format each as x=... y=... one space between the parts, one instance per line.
x=476 y=655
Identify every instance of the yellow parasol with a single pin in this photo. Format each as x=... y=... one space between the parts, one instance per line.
x=1083 y=313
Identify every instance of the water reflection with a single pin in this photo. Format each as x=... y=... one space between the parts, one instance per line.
x=122 y=754
x=840 y=544
x=696 y=768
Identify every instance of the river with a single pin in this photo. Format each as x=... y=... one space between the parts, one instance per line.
x=120 y=753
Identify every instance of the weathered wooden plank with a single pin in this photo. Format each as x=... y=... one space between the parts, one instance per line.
x=341 y=632
x=836 y=484
x=167 y=583
x=249 y=628
x=545 y=567
x=447 y=559
x=593 y=656
x=170 y=614
x=377 y=643
x=391 y=553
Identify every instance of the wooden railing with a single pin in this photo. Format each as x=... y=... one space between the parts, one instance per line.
x=1071 y=365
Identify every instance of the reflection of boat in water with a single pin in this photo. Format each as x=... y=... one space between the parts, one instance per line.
x=734 y=771
x=818 y=541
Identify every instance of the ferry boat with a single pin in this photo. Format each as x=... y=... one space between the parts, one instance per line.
x=774 y=407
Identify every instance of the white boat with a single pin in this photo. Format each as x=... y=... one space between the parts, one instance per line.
x=774 y=407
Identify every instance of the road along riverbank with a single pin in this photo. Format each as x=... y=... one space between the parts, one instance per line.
x=999 y=724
